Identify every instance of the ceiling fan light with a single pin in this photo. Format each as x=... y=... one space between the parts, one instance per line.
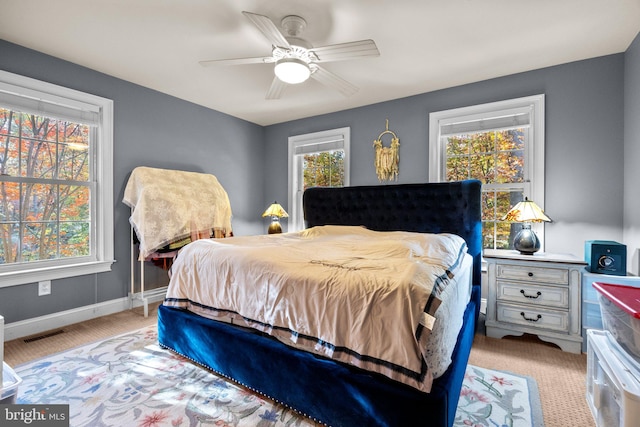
x=292 y=70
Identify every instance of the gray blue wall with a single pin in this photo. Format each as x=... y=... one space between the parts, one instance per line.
x=584 y=150
x=632 y=153
x=151 y=129
x=592 y=148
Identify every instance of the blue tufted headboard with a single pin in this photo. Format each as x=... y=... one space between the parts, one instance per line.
x=447 y=207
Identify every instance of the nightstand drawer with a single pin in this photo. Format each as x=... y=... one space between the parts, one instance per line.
x=558 y=276
x=534 y=317
x=531 y=294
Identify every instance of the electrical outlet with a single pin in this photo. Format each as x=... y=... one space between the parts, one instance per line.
x=44 y=288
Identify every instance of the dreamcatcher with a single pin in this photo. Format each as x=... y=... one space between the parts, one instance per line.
x=387 y=158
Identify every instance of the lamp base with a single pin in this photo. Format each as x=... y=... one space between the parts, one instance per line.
x=274 y=227
x=526 y=241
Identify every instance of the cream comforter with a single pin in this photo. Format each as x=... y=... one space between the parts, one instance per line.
x=168 y=205
x=362 y=297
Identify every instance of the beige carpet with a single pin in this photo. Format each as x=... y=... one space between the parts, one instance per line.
x=17 y=352
x=560 y=375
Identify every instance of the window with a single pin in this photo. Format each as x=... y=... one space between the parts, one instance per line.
x=502 y=145
x=56 y=190
x=318 y=159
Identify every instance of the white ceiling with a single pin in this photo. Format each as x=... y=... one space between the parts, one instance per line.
x=424 y=45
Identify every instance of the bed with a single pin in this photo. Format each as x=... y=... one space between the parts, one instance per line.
x=334 y=392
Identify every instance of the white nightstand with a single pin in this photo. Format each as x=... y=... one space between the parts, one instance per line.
x=536 y=294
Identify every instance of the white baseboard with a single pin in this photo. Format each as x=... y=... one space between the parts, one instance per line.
x=36 y=325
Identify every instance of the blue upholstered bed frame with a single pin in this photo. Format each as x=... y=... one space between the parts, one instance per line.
x=330 y=392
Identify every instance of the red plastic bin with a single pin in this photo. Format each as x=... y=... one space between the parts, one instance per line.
x=620 y=307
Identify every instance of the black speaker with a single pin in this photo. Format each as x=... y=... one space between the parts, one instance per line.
x=606 y=257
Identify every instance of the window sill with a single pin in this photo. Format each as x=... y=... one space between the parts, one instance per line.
x=14 y=278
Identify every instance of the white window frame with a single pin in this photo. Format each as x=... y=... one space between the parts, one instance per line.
x=317 y=142
x=533 y=186
x=54 y=98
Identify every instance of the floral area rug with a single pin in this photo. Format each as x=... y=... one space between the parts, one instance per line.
x=128 y=380
x=498 y=399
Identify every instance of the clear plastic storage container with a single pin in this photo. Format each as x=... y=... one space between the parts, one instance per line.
x=613 y=382
x=10 y=383
x=620 y=307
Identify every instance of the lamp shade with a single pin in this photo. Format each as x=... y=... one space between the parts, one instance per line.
x=292 y=70
x=526 y=211
x=275 y=210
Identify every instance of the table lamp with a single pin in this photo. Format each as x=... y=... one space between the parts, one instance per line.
x=526 y=212
x=275 y=211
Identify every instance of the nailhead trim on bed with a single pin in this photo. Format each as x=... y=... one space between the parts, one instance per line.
x=209 y=368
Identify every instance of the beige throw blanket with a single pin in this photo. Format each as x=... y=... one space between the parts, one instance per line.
x=362 y=297
x=168 y=205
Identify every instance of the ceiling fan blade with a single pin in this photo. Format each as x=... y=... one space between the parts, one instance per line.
x=343 y=51
x=327 y=78
x=268 y=28
x=238 y=61
x=276 y=89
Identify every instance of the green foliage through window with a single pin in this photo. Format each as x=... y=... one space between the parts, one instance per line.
x=44 y=188
x=325 y=169
x=496 y=158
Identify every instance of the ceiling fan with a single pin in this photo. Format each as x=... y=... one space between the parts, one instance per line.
x=296 y=59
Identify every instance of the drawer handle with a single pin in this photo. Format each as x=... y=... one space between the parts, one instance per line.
x=531 y=296
x=528 y=319
x=530 y=274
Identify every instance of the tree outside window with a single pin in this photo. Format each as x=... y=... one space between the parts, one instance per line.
x=319 y=159
x=495 y=157
x=324 y=169
x=44 y=188
x=500 y=144
x=56 y=181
